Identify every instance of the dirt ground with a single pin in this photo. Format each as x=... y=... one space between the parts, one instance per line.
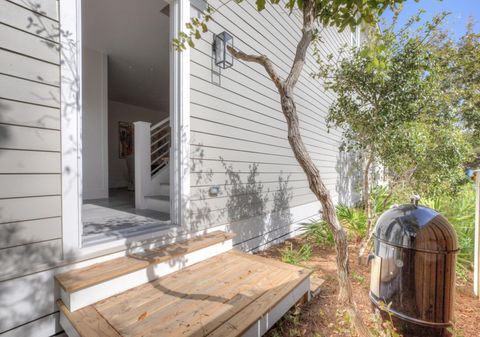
x=320 y=317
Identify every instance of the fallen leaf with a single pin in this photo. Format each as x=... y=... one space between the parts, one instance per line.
x=142 y=316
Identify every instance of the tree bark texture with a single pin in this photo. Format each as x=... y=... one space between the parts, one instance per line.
x=316 y=184
x=368 y=209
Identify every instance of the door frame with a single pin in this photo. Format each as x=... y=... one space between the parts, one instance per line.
x=71 y=128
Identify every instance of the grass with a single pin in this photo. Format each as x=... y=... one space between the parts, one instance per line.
x=318 y=233
x=297 y=256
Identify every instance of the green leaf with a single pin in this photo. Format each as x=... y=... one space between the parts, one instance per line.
x=260 y=5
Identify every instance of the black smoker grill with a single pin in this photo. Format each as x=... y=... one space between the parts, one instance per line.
x=413 y=269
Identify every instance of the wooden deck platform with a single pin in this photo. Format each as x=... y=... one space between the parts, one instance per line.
x=232 y=294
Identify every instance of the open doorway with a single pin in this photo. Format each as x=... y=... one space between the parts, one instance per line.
x=125 y=119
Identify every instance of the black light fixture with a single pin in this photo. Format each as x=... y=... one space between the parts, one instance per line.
x=223 y=58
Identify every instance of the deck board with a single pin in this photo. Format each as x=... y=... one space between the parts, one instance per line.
x=221 y=296
x=86 y=277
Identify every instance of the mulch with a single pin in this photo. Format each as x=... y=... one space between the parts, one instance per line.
x=322 y=317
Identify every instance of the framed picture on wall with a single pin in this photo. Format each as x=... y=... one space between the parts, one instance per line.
x=125 y=132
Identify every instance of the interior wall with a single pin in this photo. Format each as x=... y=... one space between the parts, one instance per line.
x=94 y=125
x=122 y=112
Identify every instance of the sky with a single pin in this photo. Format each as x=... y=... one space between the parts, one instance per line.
x=455 y=22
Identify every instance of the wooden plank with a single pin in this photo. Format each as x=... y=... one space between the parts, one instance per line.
x=21 y=209
x=29 y=68
x=31 y=255
x=134 y=302
x=20 y=42
x=180 y=301
x=26 y=138
x=201 y=299
x=29 y=185
x=234 y=291
x=47 y=8
x=239 y=323
x=88 y=322
x=252 y=285
x=26 y=20
x=85 y=277
x=25 y=232
x=15 y=161
x=29 y=92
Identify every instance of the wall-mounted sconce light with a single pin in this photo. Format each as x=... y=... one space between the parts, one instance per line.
x=223 y=58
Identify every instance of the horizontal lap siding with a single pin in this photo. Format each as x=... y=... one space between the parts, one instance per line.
x=239 y=134
x=30 y=168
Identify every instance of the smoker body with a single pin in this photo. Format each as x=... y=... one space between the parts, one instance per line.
x=413 y=269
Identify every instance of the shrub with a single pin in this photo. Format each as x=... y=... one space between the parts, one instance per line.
x=294 y=256
x=459 y=209
x=318 y=233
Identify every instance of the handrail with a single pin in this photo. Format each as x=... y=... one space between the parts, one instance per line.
x=159 y=145
x=163 y=121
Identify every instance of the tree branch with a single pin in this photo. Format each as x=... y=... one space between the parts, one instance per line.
x=303 y=44
x=262 y=60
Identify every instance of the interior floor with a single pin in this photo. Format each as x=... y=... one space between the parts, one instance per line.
x=116 y=217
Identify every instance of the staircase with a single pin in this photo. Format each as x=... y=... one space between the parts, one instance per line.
x=197 y=287
x=152 y=173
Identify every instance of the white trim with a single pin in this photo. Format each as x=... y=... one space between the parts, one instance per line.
x=476 y=252
x=71 y=121
x=179 y=118
x=71 y=98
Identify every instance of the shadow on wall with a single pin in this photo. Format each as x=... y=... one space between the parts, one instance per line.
x=250 y=209
x=23 y=249
x=349 y=177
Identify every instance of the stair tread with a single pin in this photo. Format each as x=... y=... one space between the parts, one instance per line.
x=222 y=296
x=159 y=197
x=82 y=278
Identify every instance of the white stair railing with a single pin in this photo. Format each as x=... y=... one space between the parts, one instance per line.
x=159 y=145
x=152 y=154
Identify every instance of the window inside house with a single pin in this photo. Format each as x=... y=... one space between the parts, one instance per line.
x=125 y=119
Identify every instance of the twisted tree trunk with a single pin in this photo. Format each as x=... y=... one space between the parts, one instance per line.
x=286 y=90
x=368 y=209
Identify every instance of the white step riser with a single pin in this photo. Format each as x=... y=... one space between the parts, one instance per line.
x=88 y=296
x=157 y=205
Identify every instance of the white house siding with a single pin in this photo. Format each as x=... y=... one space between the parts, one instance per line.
x=30 y=171
x=239 y=134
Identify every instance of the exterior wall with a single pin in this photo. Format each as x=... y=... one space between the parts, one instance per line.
x=30 y=170
x=30 y=200
x=239 y=134
x=238 y=141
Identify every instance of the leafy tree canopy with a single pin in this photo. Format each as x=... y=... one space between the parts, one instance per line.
x=392 y=105
x=460 y=61
x=335 y=13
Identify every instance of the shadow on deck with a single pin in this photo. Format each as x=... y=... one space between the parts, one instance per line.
x=231 y=294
